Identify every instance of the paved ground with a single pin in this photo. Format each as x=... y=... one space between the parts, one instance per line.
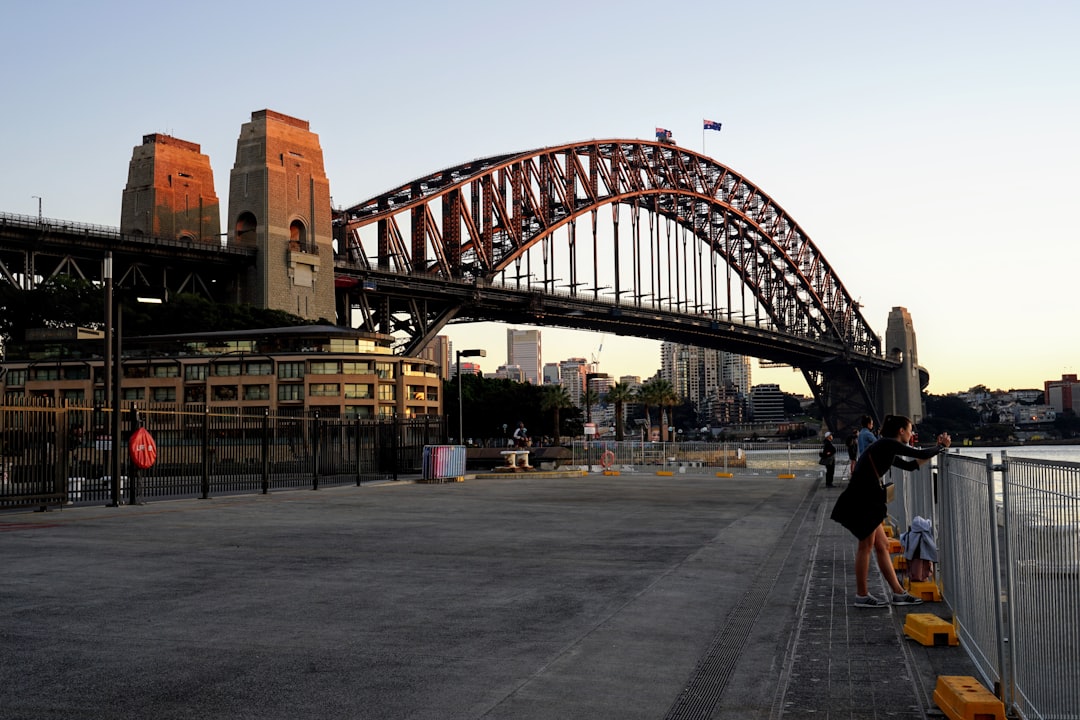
x=634 y=596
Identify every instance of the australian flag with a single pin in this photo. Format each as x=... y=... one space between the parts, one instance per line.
x=662 y=134
x=712 y=125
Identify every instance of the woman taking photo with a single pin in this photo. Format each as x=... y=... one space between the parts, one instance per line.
x=862 y=506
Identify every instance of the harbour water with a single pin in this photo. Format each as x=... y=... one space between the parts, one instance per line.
x=1063 y=453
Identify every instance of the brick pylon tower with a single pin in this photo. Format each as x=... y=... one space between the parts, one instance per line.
x=170 y=192
x=279 y=202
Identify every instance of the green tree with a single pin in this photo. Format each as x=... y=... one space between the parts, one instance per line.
x=619 y=395
x=589 y=398
x=649 y=396
x=553 y=399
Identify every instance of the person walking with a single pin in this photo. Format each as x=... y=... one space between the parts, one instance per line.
x=862 y=506
x=828 y=459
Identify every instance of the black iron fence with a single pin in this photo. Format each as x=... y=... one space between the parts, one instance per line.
x=53 y=455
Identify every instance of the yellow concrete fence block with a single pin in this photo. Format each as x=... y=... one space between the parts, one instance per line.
x=895 y=546
x=725 y=474
x=926 y=589
x=665 y=473
x=899 y=562
x=962 y=697
x=611 y=472
x=930 y=630
x=786 y=476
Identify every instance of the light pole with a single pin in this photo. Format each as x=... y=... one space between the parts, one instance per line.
x=460 y=415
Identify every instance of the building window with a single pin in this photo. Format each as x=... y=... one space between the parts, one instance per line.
x=81 y=372
x=194 y=372
x=166 y=371
x=353 y=412
x=256 y=392
x=74 y=397
x=324 y=390
x=49 y=373
x=385 y=371
x=227 y=369
x=358 y=390
x=288 y=370
x=133 y=393
x=164 y=394
x=224 y=392
x=259 y=368
x=387 y=392
x=387 y=411
x=195 y=394
x=352 y=367
x=16 y=378
x=290 y=392
x=325 y=367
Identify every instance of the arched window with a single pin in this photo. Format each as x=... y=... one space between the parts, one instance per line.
x=297 y=236
x=246 y=228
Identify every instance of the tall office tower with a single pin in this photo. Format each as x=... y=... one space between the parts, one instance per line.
x=697 y=373
x=766 y=403
x=279 y=202
x=523 y=348
x=736 y=370
x=170 y=192
x=572 y=373
x=551 y=373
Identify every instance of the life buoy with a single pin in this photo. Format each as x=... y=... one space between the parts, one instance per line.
x=142 y=449
x=607 y=459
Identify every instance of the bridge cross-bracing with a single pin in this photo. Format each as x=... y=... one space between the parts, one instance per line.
x=672 y=245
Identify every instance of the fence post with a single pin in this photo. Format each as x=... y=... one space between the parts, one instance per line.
x=1009 y=683
x=995 y=573
x=357 y=444
x=395 y=425
x=315 y=452
x=266 y=451
x=206 y=454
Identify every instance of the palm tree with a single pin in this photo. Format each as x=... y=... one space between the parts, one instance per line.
x=661 y=394
x=649 y=396
x=619 y=394
x=555 y=398
x=669 y=399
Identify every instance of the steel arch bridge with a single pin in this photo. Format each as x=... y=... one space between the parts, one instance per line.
x=675 y=246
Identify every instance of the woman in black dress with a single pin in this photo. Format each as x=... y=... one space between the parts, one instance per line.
x=862 y=506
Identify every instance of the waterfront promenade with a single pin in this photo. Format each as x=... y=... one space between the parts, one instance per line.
x=535 y=596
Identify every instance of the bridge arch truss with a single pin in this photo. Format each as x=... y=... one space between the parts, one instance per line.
x=640 y=226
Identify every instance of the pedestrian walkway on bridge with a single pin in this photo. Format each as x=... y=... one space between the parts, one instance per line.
x=536 y=596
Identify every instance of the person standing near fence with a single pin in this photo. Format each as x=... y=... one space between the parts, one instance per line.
x=866 y=435
x=828 y=459
x=862 y=506
x=852 y=451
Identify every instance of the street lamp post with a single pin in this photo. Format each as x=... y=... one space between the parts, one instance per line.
x=460 y=414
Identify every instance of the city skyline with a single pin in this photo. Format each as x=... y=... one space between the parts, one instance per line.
x=928 y=150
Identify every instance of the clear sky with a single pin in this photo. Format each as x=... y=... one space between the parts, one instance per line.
x=928 y=149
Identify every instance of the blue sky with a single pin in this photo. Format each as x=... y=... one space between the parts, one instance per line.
x=928 y=149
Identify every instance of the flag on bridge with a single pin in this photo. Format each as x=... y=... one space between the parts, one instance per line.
x=712 y=125
x=662 y=133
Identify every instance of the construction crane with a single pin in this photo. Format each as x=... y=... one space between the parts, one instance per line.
x=596 y=356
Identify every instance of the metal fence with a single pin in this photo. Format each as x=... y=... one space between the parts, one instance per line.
x=1009 y=537
x=53 y=455
x=635 y=456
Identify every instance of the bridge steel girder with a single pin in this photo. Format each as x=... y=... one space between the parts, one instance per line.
x=490 y=221
x=33 y=251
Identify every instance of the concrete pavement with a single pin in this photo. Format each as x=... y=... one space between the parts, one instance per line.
x=631 y=596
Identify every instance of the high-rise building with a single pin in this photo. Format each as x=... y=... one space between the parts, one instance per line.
x=523 y=349
x=572 y=373
x=551 y=373
x=766 y=403
x=698 y=374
